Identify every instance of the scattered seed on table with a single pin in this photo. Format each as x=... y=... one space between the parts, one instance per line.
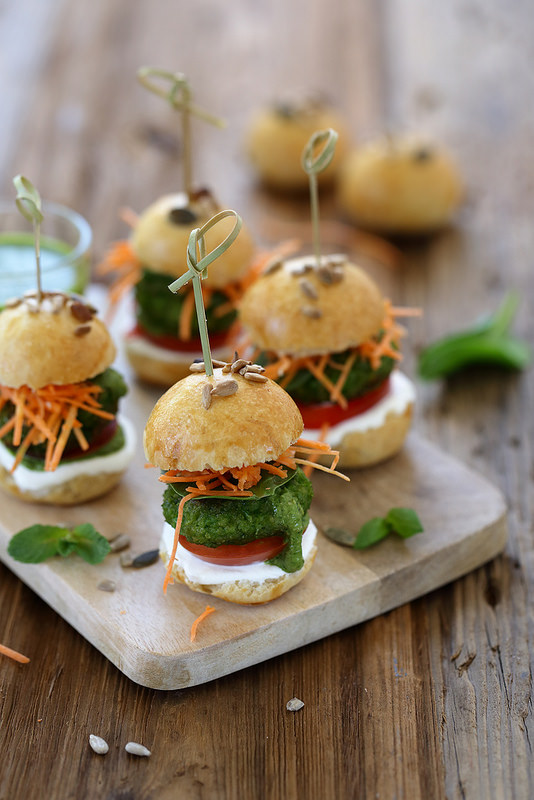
x=294 y=704
x=120 y=542
x=145 y=559
x=98 y=744
x=136 y=749
x=107 y=586
x=126 y=559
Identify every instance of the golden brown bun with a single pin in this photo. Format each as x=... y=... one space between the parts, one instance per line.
x=42 y=347
x=254 y=425
x=365 y=448
x=161 y=245
x=161 y=371
x=275 y=142
x=71 y=492
x=402 y=187
x=273 y=310
x=244 y=591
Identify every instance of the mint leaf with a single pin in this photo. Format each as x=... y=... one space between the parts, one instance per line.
x=39 y=542
x=371 y=532
x=89 y=544
x=404 y=521
x=35 y=544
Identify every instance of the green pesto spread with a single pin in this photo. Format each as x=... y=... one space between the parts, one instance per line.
x=362 y=378
x=159 y=310
x=284 y=512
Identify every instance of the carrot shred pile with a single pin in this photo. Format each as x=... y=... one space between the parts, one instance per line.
x=194 y=627
x=215 y=483
x=7 y=651
x=50 y=415
x=123 y=262
x=286 y=367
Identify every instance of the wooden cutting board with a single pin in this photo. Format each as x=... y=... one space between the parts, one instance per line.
x=147 y=635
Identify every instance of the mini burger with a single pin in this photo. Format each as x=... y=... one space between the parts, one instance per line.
x=326 y=334
x=60 y=440
x=165 y=338
x=236 y=503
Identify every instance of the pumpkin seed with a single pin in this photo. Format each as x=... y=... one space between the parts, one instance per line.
x=340 y=536
x=145 y=559
x=120 y=542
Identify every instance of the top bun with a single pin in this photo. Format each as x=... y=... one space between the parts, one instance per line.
x=278 y=135
x=254 y=425
x=59 y=341
x=161 y=237
x=402 y=185
x=296 y=308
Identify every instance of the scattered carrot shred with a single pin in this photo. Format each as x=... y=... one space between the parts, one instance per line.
x=7 y=651
x=209 y=610
x=49 y=414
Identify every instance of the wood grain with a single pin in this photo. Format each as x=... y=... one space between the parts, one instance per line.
x=430 y=700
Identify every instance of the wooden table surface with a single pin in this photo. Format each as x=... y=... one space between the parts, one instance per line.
x=433 y=699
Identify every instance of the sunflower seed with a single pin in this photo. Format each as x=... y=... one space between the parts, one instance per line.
x=217 y=363
x=302 y=269
x=107 y=586
x=294 y=704
x=98 y=744
x=145 y=559
x=81 y=312
x=224 y=388
x=13 y=302
x=340 y=536
x=253 y=376
x=126 y=560
x=206 y=395
x=227 y=368
x=330 y=273
x=120 y=542
x=82 y=330
x=197 y=366
x=239 y=364
x=254 y=368
x=313 y=313
x=308 y=289
x=136 y=749
x=272 y=267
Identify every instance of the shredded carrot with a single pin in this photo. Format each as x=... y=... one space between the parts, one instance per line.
x=7 y=651
x=168 y=574
x=313 y=458
x=209 y=610
x=49 y=414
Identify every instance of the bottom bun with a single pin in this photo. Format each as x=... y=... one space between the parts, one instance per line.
x=365 y=448
x=72 y=482
x=69 y=493
x=160 y=366
x=229 y=584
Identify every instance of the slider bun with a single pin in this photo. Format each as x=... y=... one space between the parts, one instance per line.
x=161 y=244
x=246 y=591
x=275 y=142
x=406 y=186
x=365 y=448
x=164 y=369
x=254 y=425
x=41 y=347
x=69 y=493
x=352 y=310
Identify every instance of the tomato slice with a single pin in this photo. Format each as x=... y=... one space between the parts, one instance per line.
x=236 y=555
x=169 y=342
x=106 y=435
x=316 y=414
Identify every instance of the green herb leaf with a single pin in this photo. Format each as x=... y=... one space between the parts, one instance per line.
x=371 y=532
x=39 y=542
x=267 y=485
x=35 y=544
x=486 y=342
x=404 y=521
